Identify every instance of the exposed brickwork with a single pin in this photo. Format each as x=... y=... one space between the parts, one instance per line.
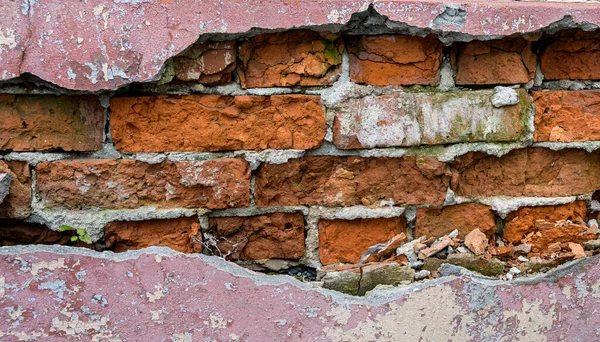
x=346 y=240
x=527 y=172
x=13 y=232
x=504 y=61
x=209 y=63
x=345 y=181
x=48 y=122
x=278 y=235
x=216 y=123
x=573 y=55
x=438 y=222
x=567 y=116
x=523 y=221
x=18 y=202
x=181 y=234
x=412 y=119
x=295 y=58
x=394 y=60
x=112 y=184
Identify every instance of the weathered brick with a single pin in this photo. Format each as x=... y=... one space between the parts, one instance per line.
x=573 y=55
x=346 y=240
x=48 y=122
x=278 y=235
x=345 y=181
x=527 y=172
x=504 y=61
x=209 y=63
x=394 y=60
x=437 y=222
x=567 y=116
x=293 y=58
x=17 y=204
x=180 y=234
x=522 y=222
x=412 y=119
x=13 y=232
x=118 y=184
x=216 y=123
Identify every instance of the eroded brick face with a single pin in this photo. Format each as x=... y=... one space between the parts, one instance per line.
x=278 y=235
x=394 y=60
x=346 y=240
x=216 y=123
x=437 y=222
x=115 y=184
x=505 y=61
x=14 y=232
x=572 y=55
x=567 y=116
x=208 y=63
x=294 y=58
x=17 y=204
x=346 y=181
x=180 y=234
x=527 y=172
x=48 y=122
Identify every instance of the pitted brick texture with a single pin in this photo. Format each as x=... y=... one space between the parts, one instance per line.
x=437 y=222
x=216 y=123
x=504 y=61
x=278 y=235
x=209 y=63
x=294 y=58
x=572 y=55
x=394 y=60
x=567 y=116
x=17 y=204
x=346 y=181
x=117 y=184
x=48 y=122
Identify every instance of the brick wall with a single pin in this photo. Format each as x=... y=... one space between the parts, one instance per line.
x=304 y=148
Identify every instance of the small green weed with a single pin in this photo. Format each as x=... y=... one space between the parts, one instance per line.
x=81 y=234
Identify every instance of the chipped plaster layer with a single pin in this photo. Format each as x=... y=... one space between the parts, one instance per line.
x=66 y=293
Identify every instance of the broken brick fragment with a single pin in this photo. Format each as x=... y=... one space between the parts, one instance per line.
x=571 y=55
x=436 y=222
x=209 y=63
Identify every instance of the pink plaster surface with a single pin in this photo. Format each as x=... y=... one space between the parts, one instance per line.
x=96 y=44
x=64 y=294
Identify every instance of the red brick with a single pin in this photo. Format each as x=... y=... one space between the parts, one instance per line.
x=522 y=222
x=505 y=61
x=13 y=232
x=17 y=204
x=573 y=55
x=346 y=181
x=48 y=122
x=209 y=63
x=394 y=60
x=120 y=184
x=437 y=222
x=294 y=58
x=567 y=116
x=347 y=240
x=527 y=172
x=180 y=234
x=216 y=123
x=278 y=235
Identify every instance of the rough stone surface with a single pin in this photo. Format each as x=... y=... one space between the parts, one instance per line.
x=395 y=60
x=412 y=119
x=208 y=63
x=278 y=235
x=522 y=222
x=155 y=292
x=180 y=234
x=505 y=61
x=48 y=122
x=345 y=280
x=5 y=180
x=493 y=267
x=527 y=172
x=216 y=123
x=437 y=222
x=567 y=116
x=18 y=202
x=346 y=240
x=476 y=241
x=118 y=184
x=294 y=58
x=384 y=274
x=345 y=181
x=572 y=55
x=504 y=96
x=557 y=232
